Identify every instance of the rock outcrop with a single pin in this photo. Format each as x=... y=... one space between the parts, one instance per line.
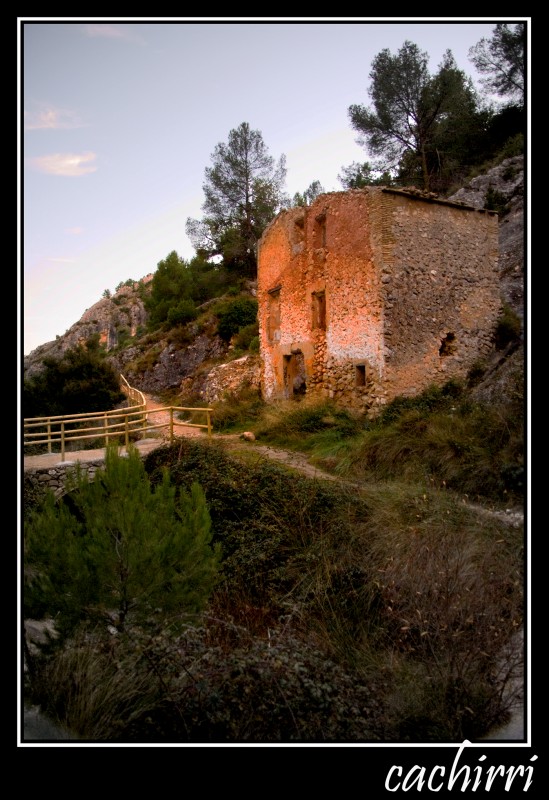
x=506 y=182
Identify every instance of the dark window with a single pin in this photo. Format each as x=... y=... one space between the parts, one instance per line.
x=319 y=310
x=360 y=375
x=274 y=314
x=320 y=231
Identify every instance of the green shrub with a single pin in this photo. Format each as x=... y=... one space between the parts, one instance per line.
x=387 y=613
x=185 y=311
x=123 y=337
x=476 y=372
x=496 y=201
x=431 y=399
x=237 y=410
x=246 y=336
x=514 y=146
x=275 y=690
x=234 y=315
x=508 y=329
x=291 y=423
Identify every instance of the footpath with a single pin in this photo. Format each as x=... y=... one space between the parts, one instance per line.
x=156 y=437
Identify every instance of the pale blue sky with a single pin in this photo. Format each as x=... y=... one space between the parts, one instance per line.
x=119 y=119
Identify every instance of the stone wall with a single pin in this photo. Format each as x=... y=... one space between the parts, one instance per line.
x=55 y=477
x=368 y=294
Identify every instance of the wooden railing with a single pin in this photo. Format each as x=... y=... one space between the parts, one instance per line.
x=132 y=421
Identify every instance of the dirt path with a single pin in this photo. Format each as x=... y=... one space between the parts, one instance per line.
x=162 y=418
x=233 y=443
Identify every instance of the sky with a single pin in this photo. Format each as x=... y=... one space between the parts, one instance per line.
x=119 y=118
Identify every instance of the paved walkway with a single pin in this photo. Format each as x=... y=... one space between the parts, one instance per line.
x=46 y=460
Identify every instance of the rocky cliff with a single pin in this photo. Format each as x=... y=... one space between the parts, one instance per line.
x=503 y=187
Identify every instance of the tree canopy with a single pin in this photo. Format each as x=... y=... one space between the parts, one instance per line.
x=501 y=60
x=357 y=176
x=244 y=190
x=81 y=381
x=413 y=111
x=170 y=287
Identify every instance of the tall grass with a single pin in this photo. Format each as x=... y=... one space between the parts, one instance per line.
x=440 y=438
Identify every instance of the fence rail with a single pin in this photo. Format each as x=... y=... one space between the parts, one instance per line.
x=132 y=421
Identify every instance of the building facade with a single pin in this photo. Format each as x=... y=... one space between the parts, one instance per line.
x=372 y=293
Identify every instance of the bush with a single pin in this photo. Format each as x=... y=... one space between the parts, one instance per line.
x=514 y=146
x=508 y=329
x=246 y=336
x=290 y=423
x=452 y=603
x=182 y=313
x=260 y=513
x=384 y=614
x=274 y=690
x=433 y=398
x=496 y=201
x=235 y=315
x=237 y=410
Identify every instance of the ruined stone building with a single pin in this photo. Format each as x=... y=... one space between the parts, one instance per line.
x=372 y=293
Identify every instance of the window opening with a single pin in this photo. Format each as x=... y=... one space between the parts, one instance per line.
x=274 y=314
x=360 y=375
x=320 y=230
x=319 y=310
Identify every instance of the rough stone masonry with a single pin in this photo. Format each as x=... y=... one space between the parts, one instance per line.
x=372 y=293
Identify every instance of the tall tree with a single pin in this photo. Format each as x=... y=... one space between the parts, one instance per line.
x=409 y=107
x=501 y=60
x=244 y=190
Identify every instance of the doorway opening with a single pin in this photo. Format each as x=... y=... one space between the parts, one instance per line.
x=295 y=378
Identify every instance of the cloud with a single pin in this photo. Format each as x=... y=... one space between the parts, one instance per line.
x=69 y=164
x=75 y=231
x=51 y=119
x=112 y=32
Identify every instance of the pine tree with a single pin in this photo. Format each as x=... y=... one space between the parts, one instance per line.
x=244 y=191
x=119 y=549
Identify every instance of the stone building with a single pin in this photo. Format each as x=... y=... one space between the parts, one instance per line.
x=372 y=293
